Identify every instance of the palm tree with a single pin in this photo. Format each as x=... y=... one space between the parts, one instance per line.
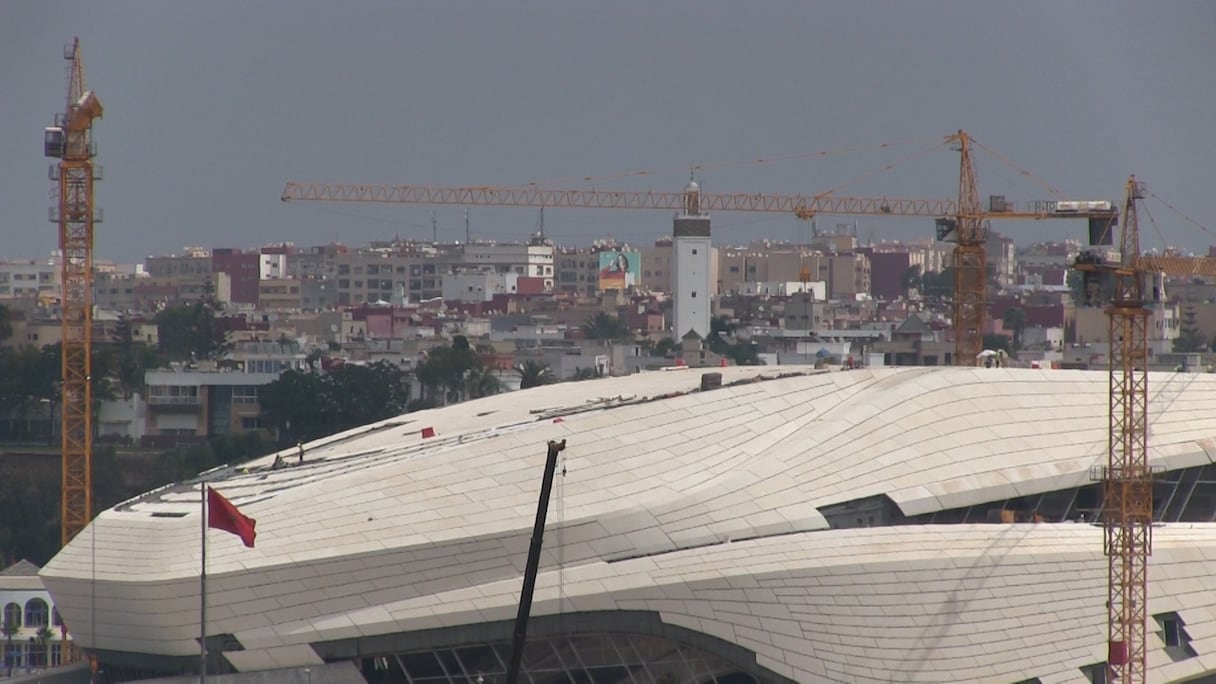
x=43 y=637
x=9 y=630
x=603 y=326
x=534 y=374
x=481 y=382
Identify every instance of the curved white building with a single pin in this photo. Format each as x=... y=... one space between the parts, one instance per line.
x=787 y=526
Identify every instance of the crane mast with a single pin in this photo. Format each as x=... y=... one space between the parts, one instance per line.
x=1127 y=502
x=970 y=261
x=1127 y=477
x=70 y=141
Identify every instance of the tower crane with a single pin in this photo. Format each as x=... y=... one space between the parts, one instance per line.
x=70 y=141
x=963 y=221
x=1127 y=500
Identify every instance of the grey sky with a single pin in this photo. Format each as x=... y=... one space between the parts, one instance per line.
x=212 y=106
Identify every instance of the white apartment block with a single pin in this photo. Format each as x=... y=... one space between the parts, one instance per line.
x=29 y=278
x=478 y=287
x=529 y=261
x=271 y=266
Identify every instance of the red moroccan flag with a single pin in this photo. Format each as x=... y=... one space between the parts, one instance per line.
x=222 y=515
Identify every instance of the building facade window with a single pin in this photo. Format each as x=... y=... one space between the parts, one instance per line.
x=12 y=614
x=36 y=613
x=248 y=394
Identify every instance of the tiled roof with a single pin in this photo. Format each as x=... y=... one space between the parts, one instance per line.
x=22 y=568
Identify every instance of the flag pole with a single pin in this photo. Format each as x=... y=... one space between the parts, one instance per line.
x=202 y=620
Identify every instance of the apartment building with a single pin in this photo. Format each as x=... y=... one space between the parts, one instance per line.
x=242 y=270
x=578 y=271
x=362 y=277
x=202 y=403
x=279 y=294
x=319 y=262
x=194 y=262
x=889 y=267
x=1002 y=259
x=527 y=260
x=846 y=275
x=657 y=266
x=318 y=295
x=29 y=278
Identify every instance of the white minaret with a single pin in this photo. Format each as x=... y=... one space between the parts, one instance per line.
x=690 y=267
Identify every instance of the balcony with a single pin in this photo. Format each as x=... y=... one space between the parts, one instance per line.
x=174 y=397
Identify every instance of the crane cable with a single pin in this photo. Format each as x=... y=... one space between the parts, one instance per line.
x=1174 y=209
x=1051 y=189
x=1157 y=229
x=884 y=169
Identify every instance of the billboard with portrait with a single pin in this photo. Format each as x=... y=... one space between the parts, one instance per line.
x=620 y=270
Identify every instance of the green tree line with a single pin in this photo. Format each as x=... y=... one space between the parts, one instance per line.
x=30 y=497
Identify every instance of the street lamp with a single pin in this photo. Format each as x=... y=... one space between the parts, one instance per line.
x=308 y=673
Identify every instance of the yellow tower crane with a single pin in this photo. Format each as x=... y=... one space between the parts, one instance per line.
x=1127 y=477
x=69 y=140
x=963 y=222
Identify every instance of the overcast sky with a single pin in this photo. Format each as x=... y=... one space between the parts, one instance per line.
x=211 y=106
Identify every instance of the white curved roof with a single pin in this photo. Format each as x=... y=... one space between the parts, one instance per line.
x=381 y=517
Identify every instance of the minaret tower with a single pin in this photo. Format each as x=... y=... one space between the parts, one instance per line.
x=690 y=277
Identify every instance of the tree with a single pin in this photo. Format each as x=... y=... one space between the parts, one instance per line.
x=481 y=382
x=29 y=527
x=1076 y=285
x=586 y=373
x=938 y=285
x=447 y=372
x=9 y=629
x=534 y=374
x=363 y=394
x=666 y=346
x=1014 y=320
x=133 y=359
x=297 y=404
x=193 y=330
x=911 y=281
x=1190 y=339
x=304 y=405
x=604 y=326
x=996 y=342
x=744 y=353
x=6 y=323
x=29 y=378
x=43 y=638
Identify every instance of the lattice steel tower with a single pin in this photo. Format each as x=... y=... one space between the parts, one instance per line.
x=1127 y=505
x=70 y=141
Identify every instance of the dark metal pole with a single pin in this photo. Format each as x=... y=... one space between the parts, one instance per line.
x=202 y=599
x=538 y=533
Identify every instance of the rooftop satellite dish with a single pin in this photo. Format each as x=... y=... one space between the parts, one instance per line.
x=333 y=327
